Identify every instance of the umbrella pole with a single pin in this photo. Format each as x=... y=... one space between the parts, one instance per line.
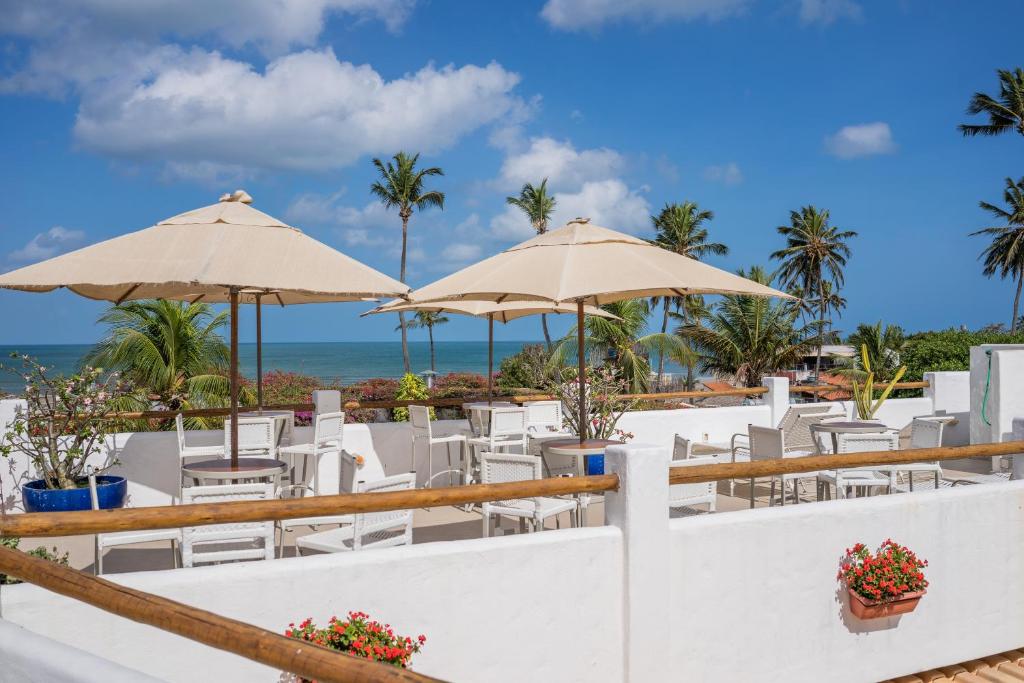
x=490 y=357
x=582 y=379
x=234 y=376
x=259 y=353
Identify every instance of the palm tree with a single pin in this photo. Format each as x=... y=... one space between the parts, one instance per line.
x=815 y=254
x=680 y=229
x=401 y=186
x=621 y=343
x=885 y=346
x=170 y=349
x=427 y=320
x=1005 y=113
x=696 y=310
x=538 y=205
x=807 y=306
x=1005 y=254
x=749 y=337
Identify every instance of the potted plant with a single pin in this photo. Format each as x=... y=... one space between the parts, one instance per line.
x=863 y=395
x=64 y=422
x=360 y=637
x=885 y=583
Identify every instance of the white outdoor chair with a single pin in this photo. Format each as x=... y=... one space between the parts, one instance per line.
x=369 y=529
x=246 y=540
x=119 y=538
x=766 y=443
x=796 y=439
x=849 y=479
x=689 y=495
x=423 y=431
x=506 y=429
x=257 y=437
x=799 y=438
x=543 y=423
x=188 y=453
x=328 y=430
x=924 y=433
x=499 y=468
x=565 y=465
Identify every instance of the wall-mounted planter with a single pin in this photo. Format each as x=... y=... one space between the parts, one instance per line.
x=863 y=608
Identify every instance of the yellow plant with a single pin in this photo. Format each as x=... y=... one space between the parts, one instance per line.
x=863 y=396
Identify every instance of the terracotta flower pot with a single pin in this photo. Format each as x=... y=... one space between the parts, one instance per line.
x=864 y=608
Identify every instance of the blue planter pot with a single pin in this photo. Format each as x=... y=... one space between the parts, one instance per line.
x=111 y=492
x=595 y=464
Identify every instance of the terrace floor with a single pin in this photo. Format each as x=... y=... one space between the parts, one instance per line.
x=430 y=525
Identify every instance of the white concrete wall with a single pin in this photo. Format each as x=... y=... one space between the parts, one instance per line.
x=537 y=607
x=754 y=593
x=950 y=393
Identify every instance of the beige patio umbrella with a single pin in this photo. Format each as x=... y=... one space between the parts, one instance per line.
x=586 y=264
x=503 y=312
x=225 y=252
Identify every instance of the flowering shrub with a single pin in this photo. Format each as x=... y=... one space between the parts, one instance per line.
x=375 y=389
x=884 y=575
x=605 y=404
x=65 y=421
x=360 y=637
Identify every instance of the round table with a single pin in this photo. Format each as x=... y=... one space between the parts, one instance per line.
x=246 y=469
x=590 y=449
x=848 y=427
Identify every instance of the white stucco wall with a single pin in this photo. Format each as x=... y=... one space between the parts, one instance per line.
x=537 y=607
x=755 y=591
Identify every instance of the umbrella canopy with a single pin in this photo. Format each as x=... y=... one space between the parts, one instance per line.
x=205 y=253
x=503 y=312
x=581 y=262
x=586 y=264
x=225 y=252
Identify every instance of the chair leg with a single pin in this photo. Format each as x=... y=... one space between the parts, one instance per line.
x=751 y=493
x=174 y=553
x=771 y=494
x=98 y=564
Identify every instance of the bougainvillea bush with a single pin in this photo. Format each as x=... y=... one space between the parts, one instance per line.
x=359 y=636
x=884 y=575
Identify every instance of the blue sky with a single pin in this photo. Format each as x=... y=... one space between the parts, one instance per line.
x=114 y=117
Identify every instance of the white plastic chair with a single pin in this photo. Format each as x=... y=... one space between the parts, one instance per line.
x=257 y=437
x=187 y=453
x=328 y=430
x=119 y=538
x=689 y=495
x=796 y=425
x=247 y=540
x=766 y=443
x=924 y=433
x=499 y=468
x=863 y=478
x=369 y=529
x=422 y=431
x=543 y=423
x=506 y=429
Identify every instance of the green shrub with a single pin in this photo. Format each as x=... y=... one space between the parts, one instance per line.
x=948 y=349
x=40 y=552
x=527 y=369
x=410 y=388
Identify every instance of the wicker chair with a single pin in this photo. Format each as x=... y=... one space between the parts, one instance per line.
x=498 y=468
x=248 y=540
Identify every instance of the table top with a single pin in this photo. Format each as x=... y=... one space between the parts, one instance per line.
x=588 y=447
x=267 y=413
x=850 y=427
x=478 y=405
x=244 y=466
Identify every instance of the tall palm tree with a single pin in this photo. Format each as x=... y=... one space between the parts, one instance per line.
x=680 y=229
x=1005 y=113
x=807 y=306
x=621 y=342
x=427 y=320
x=538 y=205
x=749 y=337
x=1004 y=256
x=401 y=187
x=696 y=310
x=171 y=349
x=815 y=254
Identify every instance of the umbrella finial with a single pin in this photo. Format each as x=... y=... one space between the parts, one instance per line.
x=237 y=196
x=580 y=219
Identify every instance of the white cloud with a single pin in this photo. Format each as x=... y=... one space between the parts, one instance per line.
x=574 y=15
x=271 y=25
x=861 y=140
x=827 y=12
x=44 y=245
x=559 y=162
x=727 y=174
x=459 y=252
x=315 y=209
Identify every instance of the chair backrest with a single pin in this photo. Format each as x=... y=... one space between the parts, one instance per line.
x=544 y=416
x=925 y=433
x=766 y=443
x=506 y=422
x=384 y=529
x=796 y=411
x=329 y=430
x=500 y=468
x=679 y=494
x=179 y=426
x=326 y=401
x=419 y=418
x=239 y=537
x=799 y=435
x=682 y=449
x=255 y=435
x=864 y=443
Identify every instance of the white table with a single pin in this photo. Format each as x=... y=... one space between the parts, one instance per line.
x=847 y=427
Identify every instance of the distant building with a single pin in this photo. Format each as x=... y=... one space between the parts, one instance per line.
x=832 y=356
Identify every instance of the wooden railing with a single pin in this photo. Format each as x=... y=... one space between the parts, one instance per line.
x=820 y=388
x=812 y=463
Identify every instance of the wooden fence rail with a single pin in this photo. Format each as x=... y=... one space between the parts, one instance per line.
x=813 y=463
x=272 y=649
x=41 y=524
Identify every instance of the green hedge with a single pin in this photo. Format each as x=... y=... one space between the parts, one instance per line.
x=948 y=349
